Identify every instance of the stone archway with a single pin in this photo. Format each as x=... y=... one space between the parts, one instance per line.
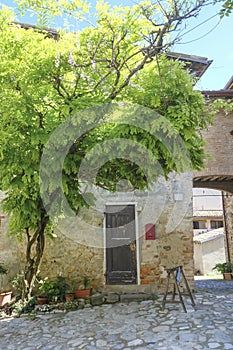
x=216 y=182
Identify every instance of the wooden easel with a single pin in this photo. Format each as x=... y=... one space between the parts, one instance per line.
x=177 y=273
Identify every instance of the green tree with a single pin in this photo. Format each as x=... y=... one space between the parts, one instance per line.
x=48 y=76
x=226 y=8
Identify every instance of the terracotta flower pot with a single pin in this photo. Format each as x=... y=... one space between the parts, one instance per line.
x=82 y=293
x=5 y=298
x=227 y=275
x=42 y=300
x=69 y=296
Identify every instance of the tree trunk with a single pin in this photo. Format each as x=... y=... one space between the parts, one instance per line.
x=34 y=255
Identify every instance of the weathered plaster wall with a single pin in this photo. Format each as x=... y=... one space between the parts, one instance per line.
x=198 y=258
x=208 y=253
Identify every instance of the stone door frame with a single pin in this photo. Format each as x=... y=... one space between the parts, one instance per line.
x=136 y=232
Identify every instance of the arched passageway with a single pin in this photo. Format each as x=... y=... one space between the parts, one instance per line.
x=216 y=182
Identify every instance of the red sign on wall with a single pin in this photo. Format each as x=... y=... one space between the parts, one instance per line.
x=150 y=232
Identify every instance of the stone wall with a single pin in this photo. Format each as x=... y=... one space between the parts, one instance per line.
x=9 y=252
x=228 y=213
x=79 y=250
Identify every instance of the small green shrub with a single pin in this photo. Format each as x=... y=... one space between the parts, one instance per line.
x=54 y=290
x=21 y=306
x=71 y=305
x=226 y=267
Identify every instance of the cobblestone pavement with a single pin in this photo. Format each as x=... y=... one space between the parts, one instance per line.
x=136 y=325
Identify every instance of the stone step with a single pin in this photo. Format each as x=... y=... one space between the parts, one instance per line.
x=111 y=298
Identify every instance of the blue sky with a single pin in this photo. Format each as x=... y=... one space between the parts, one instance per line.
x=216 y=45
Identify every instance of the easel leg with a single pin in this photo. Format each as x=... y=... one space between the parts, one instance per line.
x=180 y=296
x=174 y=287
x=166 y=291
x=187 y=287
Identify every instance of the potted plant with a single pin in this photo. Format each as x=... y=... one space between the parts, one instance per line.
x=5 y=296
x=69 y=294
x=58 y=289
x=43 y=297
x=225 y=268
x=85 y=289
x=52 y=291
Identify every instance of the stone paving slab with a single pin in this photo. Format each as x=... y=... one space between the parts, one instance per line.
x=128 y=326
x=214 y=285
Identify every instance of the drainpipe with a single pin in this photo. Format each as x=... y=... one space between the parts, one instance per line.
x=226 y=229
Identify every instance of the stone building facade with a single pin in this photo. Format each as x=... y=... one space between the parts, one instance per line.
x=158 y=236
x=207 y=220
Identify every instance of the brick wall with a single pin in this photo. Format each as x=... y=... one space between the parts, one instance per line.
x=219 y=139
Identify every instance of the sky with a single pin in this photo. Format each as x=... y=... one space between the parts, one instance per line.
x=211 y=39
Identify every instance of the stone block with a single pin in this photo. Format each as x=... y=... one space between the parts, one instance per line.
x=112 y=298
x=97 y=299
x=134 y=297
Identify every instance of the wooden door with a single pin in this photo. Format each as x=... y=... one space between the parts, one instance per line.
x=120 y=245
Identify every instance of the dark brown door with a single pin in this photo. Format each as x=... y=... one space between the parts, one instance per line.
x=120 y=245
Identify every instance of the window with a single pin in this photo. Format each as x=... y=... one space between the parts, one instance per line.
x=201 y=224
x=195 y=225
x=216 y=224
